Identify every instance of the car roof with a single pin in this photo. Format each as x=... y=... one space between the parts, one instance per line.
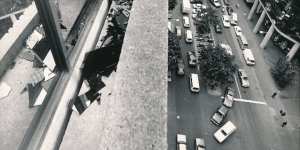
x=229 y=127
x=200 y=141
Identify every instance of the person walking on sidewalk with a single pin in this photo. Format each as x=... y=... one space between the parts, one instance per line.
x=284 y=124
x=274 y=94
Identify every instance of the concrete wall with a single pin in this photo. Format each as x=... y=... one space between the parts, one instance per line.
x=134 y=115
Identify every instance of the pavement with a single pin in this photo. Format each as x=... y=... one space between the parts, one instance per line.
x=256 y=116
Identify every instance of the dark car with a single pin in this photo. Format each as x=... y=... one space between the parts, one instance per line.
x=229 y=10
x=227 y=2
x=219 y=115
x=197 y=1
x=218 y=28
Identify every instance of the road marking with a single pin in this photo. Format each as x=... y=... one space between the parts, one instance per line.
x=250 y=101
x=236 y=83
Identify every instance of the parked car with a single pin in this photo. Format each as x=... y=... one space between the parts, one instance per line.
x=224 y=132
x=216 y=3
x=196 y=1
x=218 y=28
x=188 y=36
x=249 y=57
x=226 y=21
x=186 y=21
x=228 y=98
x=180 y=67
x=169 y=76
x=178 y=31
x=219 y=115
x=194 y=16
x=181 y=142
x=242 y=41
x=243 y=78
x=227 y=49
x=234 y=19
x=200 y=144
x=237 y=30
x=191 y=58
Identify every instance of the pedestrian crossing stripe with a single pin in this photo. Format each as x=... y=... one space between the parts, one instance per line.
x=250 y=101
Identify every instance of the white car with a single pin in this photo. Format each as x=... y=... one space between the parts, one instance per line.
x=243 y=78
x=226 y=21
x=186 y=21
x=178 y=31
x=234 y=19
x=227 y=49
x=194 y=11
x=238 y=30
x=216 y=3
x=200 y=144
x=194 y=16
x=225 y=131
x=249 y=57
x=181 y=142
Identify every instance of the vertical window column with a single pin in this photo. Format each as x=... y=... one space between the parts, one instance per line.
x=48 y=13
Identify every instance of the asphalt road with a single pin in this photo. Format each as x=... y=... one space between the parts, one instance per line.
x=258 y=124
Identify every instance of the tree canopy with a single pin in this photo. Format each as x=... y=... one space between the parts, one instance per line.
x=283 y=72
x=173 y=49
x=216 y=66
x=172 y=4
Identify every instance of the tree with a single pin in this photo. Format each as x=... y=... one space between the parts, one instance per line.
x=173 y=49
x=172 y=4
x=283 y=72
x=216 y=66
x=115 y=31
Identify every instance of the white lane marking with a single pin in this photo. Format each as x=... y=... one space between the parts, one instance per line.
x=198 y=68
x=250 y=101
x=238 y=88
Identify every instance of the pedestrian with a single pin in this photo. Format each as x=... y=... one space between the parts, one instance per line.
x=284 y=124
x=274 y=94
x=282 y=113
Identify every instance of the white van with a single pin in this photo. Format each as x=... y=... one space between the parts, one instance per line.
x=186 y=21
x=188 y=36
x=227 y=129
x=178 y=31
x=194 y=83
x=234 y=19
x=181 y=142
x=242 y=41
x=249 y=57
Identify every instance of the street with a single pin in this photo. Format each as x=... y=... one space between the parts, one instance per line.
x=254 y=113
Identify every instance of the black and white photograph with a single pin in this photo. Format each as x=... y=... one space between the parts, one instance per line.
x=149 y=74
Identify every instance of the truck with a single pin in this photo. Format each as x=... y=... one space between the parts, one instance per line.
x=186 y=6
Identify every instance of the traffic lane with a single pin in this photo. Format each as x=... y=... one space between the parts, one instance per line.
x=286 y=138
x=256 y=93
x=253 y=91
